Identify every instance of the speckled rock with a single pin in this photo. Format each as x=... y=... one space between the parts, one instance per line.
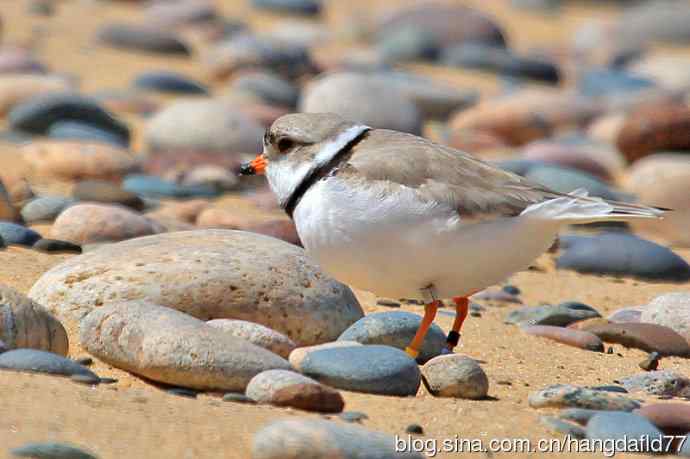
x=26 y=324
x=142 y=38
x=455 y=376
x=648 y=337
x=395 y=328
x=97 y=223
x=654 y=129
x=350 y=95
x=169 y=346
x=671 y=418
x=372 y=369
x=15 y=89
x=52 y=450
x=622 y=427
x=68 y=160
x=569 y=336
x=233 y=274
x=256 y=334
x=44 y=208
x=661 y=382
x=298 y=355
x=287 y=388
x=569 y=396
x=319 y=438
x=13 y=233
x=33 y=360
x=168 y=82
x=561 y=315
x=671 y=310
x=106 y=192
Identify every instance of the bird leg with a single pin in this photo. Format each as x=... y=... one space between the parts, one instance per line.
x=461 y=308
x=429 y=314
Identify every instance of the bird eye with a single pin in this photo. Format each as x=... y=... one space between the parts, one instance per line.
x=285 y=144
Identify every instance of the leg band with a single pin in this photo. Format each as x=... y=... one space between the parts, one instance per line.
x=453 y=338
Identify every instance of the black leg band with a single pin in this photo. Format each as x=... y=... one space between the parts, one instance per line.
x=453 y=338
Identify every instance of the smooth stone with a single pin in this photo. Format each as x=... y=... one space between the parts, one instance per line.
x=455 y=376
x=33 y=360
x=17 y=88
x=269 y=87
x=408 y=44
x=52 y=450
x=647 y=337
x=569 y=336
x=303 y=438
x=561 y=154
x=151 y=186
x=44 y=208
x=142 y=38
x=569 y=396
x=97 y=223
x=208 y=126
x=561 y=315
x=396 y=329
x=181 y=13
x=661 y=382
x=414 y=429
x=86 y=379
x=671 y=418
x=73 y=160
x=287 y=388
x=13 y=233
x=350 y=95
x=625 y=315
x=233 y=274
x=106 y=192
x=560 y=426
x=622 y=426
x=210 y=175
x=652 y=129
x=38 y=114
x=168 y=82
x=256 y=334
x=237 y=398
x=26 y=324
x=79 y=131
x=604 y=82
x=305 y=7
x=566 y=180
x=372 y=369
x=298 y=355
x=578 y=415
x=496 y=296
x=172 y=347
x=56 y=246
x=670 y=310
x=621 y=254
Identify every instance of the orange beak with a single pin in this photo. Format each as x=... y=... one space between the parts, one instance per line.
x=257 y=166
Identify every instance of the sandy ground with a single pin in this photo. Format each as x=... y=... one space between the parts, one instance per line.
x=135 y=419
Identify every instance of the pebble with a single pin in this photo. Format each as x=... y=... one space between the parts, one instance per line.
x=172 y=347
x=182 y=392
x=625 y=315
x=388 y=303
x=85 y=379
x=660 y=382
x=670 y=310
x=103 y=191
x=372 y=369
x=560 y=315
x=142 y=38
x=653 y=129
x=79 y=131
x=17 y=88
x=569 y=336
x=109 y=380
x=34 y=360
x=647 y=337
x=234 y=275
x=671 y=418
x=97 y=223
x=408 y=44
x=287 y=388
x=298 y=355
x=610 y=388
x=560 y=426
x=56 y=246
x=256 y=334
x=73 y=160
x=350 y=95
x=622 y=427
x=13 y=233
x=168 y=82
x=44 y=208
x=302 y=438
x=651 y=363
x=566 y=180
x=455 y=376
x=52 y=450
x=86 y=361
x=569 y=396
x=269 y=87
x=151 y=186
x=181 y=13
x=415 y=429
x=621 y=254
x=304 y=7
x=26 y=324
x=238 y=398
x=396 y=329
x=353 y=416
x=208 y=126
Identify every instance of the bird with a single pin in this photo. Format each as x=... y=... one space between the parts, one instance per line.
x=403 y=217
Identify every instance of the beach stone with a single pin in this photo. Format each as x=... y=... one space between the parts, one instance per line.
x=17 y=88
x=566 y=180
x=39 y=113
x=168 y=82
x=353 y=416
x=560 y=426
x=237 y=398
x=561 y=315
x=670 y=310
x=496 y=296
x=211 y=175
x=350 y=95
x=625 y=315
x=233 y=274
x=305 y=7
x=184 y=211
x=77 y=130
x=34 y=360
x=180 y=13
x=578 y=415
x=582 y=158
x=269 y=87
x=569 y=336
x=408 y=44
x=455 y=376
x=396 y=329
x=287 y=388
x=136 y=37
x=298 y=355
x=303 y=438
x=172 y=347
x=44 y=208
x=151 y=186
x=97 y=223
x=648 y=337
x=671 y=418
x=653 y=129
x=13 y=233
x=620 y=254
x=52 y=450
x=660 y=382
x=256 y=334
x=569 y=396
x=26 y=324
x=621 y=426
x=106 y=192
x=68 y=160
x=208 y=126
x=372 y=369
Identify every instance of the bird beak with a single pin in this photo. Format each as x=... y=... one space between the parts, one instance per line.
x=257 y=166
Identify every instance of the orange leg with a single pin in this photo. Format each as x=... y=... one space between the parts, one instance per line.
x=429 y=314
x=462 y=306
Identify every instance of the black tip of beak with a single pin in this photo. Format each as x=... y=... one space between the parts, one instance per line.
x=247 y=169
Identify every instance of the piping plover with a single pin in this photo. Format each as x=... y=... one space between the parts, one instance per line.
x=403 y=217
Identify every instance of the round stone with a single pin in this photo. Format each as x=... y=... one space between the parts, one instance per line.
x=142 y=38
x=671 y=310
x=561 y=315
x=653 y=129
x=85 y=132
x=298 y=355
x=13 y=233
x=151 y=186
x=287 y=388
x=168 y=82
x=35 y=361
x=44 y=208
x=256 y=334
x=455 y=376
x=269 y=87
